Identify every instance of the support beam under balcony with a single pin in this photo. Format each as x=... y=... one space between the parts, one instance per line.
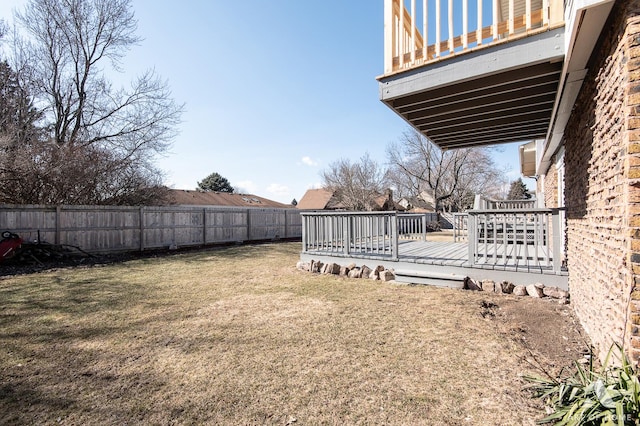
x=499 y=94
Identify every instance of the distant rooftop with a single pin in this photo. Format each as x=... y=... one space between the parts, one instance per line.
x=201 y=198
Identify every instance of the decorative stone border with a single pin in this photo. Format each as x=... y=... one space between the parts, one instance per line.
x=506 y=287
x=350 y=271
x=537 y=290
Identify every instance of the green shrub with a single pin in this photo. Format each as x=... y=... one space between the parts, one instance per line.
x=608 y=395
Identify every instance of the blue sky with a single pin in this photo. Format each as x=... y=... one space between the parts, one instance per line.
x=274 y=90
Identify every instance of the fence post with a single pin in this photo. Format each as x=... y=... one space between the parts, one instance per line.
x=424 y=227
x=204 y=226
x=286 y=226
x=141 y=228
x=248 y=225
x=58 y=214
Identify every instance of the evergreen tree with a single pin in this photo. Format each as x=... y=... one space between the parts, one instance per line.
x=518 y=191
x=215 y=183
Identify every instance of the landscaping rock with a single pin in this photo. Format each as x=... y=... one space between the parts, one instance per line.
x=303 y=266
x=366 y=271
x=519 y=290
x=555 y=292
x=355 y=273
x=535 y=290
x=471 y=284
x=344 y=271
x=507 y=287
x=316 y=266
x=387 y=275
x=488 y=285
x=332 y=268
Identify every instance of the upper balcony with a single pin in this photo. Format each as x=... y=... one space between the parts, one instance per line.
x=468 y=73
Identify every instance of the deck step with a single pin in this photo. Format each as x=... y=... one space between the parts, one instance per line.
x=429 y=278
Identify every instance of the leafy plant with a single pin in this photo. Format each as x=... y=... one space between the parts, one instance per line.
x=608 y=395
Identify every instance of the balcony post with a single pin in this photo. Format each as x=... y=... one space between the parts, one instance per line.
x=465 y=24
x=388 y=36
x=425 y=30
x=438 y=35
x=413 y=31
x=479 y=30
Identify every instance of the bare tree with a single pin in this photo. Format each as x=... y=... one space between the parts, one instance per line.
x=417 y=165
x=355 y=185
x=101 y=141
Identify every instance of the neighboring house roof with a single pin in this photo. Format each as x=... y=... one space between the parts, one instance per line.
x=201 y=198
x=422 y=203
x=322 y=199
x=317 y=199
x=385 y=202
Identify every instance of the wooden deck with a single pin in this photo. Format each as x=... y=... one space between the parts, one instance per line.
x=430 y=261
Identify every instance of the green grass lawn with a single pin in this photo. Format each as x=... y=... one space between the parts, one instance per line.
x=239 y=336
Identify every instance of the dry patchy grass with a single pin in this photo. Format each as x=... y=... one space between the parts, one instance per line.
x=239 y=336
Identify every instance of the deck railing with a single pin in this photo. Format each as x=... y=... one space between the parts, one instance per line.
x=345 y=233
x=519 y=238
x=429 y=30
x=460 y=227
x=483 y=203
x=516 y=238
x=414 y=226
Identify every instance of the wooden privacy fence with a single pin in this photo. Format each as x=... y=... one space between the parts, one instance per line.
x=120 y=228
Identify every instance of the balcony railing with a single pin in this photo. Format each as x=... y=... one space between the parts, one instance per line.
x=429 y=30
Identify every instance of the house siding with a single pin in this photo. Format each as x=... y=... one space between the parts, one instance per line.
x=602 y=181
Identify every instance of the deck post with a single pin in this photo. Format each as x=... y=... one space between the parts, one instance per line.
x=394 y=236
x=556 y=232
x=346 y=226
x=424 y=227
x=304 y=232
x=471 y=238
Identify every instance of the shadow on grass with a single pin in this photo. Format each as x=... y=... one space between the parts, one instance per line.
x=54 y=329
x=84 y=342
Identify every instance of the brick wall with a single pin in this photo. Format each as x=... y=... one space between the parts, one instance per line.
x=551 y=186
x=602 y=189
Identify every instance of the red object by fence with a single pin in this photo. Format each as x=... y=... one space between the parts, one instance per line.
x=9 y=244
